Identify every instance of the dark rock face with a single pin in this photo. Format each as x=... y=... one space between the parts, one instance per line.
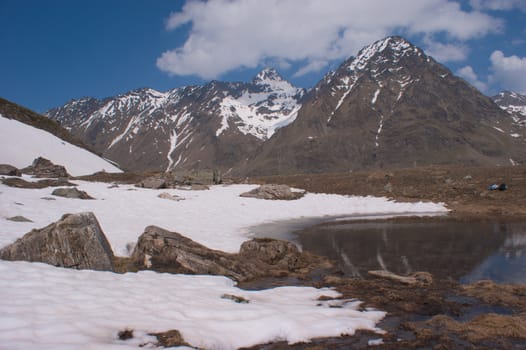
x=165 y=251
x=71 y=193
x=270 y=191
x=75 y=241
x=391 y=106
x=43 y=167
x=9 y=170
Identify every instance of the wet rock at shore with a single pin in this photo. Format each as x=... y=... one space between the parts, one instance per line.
x=275 y=192
x=9 y=170
x=417 y=278
x=161 y=250
x=75 y=241
x=43 y=167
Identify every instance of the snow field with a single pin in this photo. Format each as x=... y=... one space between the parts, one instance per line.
x=43 y=307
x=54 y=308
x=22 y=143
x=217 y=218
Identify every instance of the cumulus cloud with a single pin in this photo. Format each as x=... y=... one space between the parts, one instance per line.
x=230 y=34
x=508 y=71
x=499 y=5
x=446 y=52
x=469 y=74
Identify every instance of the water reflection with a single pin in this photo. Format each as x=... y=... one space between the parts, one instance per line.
x=458 y=250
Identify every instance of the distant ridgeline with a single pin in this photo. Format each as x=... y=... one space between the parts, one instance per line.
x=390 y=106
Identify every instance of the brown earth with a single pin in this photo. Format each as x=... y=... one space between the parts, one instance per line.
x=463 y=189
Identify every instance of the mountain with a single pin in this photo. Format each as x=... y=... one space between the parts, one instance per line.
x=514 y=104
x=217 y=125
x=391 y=106
x=26 y=135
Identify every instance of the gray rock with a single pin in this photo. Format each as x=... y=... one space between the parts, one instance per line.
x=171 y=197
x=153 y=183
x=9 y=170
x=276 y=192
x=165 y=251
x=72 y=192
x=75 y=241
x=43 y=167
x=19 y=218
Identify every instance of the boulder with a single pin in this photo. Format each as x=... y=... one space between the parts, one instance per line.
x=161 y=250
x=43 y=167
x=71 y=192
x=164 y=251
x=276 y=192
x=9 y=170
x=153 y=182
x=75 y=241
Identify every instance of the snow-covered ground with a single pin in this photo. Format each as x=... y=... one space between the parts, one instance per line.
x=22 y=143
x=44 y=307
x=217 y=218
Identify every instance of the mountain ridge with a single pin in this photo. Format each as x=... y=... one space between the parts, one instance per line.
x=391 y=96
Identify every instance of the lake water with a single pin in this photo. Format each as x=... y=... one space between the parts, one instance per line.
x=462 y=251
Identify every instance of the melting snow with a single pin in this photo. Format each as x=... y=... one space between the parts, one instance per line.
x=43 y=307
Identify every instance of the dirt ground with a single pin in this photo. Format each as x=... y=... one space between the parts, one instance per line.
x=463 y=189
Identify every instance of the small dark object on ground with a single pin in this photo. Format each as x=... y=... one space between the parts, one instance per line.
x=501 y=187
x=235 y=298
x=126 y=334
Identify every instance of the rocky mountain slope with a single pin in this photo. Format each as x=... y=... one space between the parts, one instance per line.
x=391 y=106
x=217 y=125
x=513 y=103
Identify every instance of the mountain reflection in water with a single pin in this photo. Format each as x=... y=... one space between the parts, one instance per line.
x=463 y=251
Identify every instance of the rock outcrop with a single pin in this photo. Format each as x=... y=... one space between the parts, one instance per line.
x=21 y=183
x=75 y=241
x=71 y=192
x=270 y=191
x=161 y=250
x=43 y=167
x=9 y=170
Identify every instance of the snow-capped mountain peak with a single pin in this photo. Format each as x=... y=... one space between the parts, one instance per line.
x=397 y=46
x=267 y=76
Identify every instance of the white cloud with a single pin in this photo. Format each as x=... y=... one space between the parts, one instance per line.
x=469 y=74
x=446 y=52
x=501 y=5
x=509 y=72
x=229 y=34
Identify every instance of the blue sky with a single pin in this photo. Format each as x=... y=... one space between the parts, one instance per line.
x=56 y=50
